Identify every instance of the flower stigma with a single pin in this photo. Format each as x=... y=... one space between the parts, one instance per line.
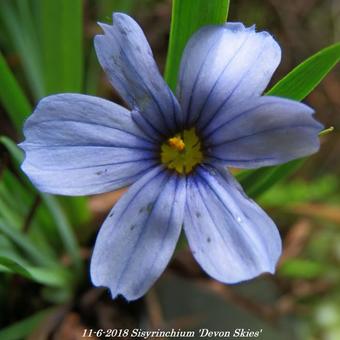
x=182 y=152
x=176 y=143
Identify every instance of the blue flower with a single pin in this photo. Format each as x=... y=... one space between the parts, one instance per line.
x=175 y=152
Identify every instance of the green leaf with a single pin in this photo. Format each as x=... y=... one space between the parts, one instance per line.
x=74 y=209
x=23 y=242
x=62 y=223
x=11 y=217
x=12 y=97
x=256 y=182
x=23 y=328
x=93 y=72
x=295 y=85
x=301 y=81
x=299 y=268
x=187 y=17
x=65 y=230
x=15 y=152
x=56 y=277
x=77 y=209
x=24 y=42
x=322 y=189
x=61 y=30
x=16 y=204
x=9 y=250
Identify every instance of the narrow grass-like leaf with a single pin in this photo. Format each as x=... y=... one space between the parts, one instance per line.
x=301 y=269
x=286 y=195
x=61 y=29
x=92 y=75
x=12 y=97
x=12 y=193
x=24 y=44
x=8 y=249
x=295 y=85
x=22 y=329
x=187 y=17
x=56 y=277
x=26 y=17
x=305 y=77
x=11 y=217
x=15 y=152
x=258 y=181
x=16 y=204
x=76 y=209
x=23 y=242
x=64 y=228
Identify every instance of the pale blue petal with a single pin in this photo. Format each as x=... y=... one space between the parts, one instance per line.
x=126 y=57
x=139 y=236
x=79 y=145
x=261 y=132
x=224 y=64
x=230 y=236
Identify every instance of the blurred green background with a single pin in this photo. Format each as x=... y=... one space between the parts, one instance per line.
x=45 y=241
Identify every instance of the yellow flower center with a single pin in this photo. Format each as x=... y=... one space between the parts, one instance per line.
x=182 y=152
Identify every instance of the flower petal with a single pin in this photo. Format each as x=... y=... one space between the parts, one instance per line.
x=80 y=145
x=126 y=57
x=265 y=131
x=221 y=64
x=230 y=236
x=138 y=238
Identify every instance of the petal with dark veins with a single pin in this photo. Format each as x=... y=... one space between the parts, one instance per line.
x=139 y=236
x=230 y=236
x=80 y=145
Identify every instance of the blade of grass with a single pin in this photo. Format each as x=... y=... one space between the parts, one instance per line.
x=8 y=249
x=26 y=17
x=65 y=231
x=92 y=75
x=64 y=227
x=24 y=243
x=187 y=17
x=12 y=97
x=16 y=204
x=11 y=217
x=13 y=193
x=302 y=80
x=55 y=277
x=257 y=182
x=61 y=29
x=16 y=154
x=24 y=45
x=302 y=269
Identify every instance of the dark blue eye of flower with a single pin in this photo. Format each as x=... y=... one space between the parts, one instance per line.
x=175 y=152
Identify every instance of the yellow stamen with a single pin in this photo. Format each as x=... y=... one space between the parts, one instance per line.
x=176 y=143
x=182 y=152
